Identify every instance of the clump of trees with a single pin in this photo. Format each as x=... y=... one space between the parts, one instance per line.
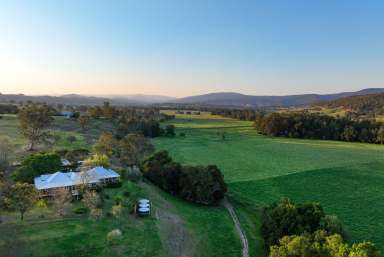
x=130 y=150
x=287 y=218
x=321 y=244
x=239 y=114
x=370 y=105
x=36 y=165
x=198 y=184
x=8 y=109
x=316 y=126
x=97 y=160
x=170 y=130
x=34 y=122
x=133 y=148
x=291 y=230
x=105 y=144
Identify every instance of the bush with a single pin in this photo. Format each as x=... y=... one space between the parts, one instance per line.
x=114 y=236
x=118 y=199
x=80 y=210
x=127 y=194
x=117 y=210
x=41 y=204
x=182 y=134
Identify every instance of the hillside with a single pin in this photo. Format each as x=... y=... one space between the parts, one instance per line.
x=75 y=99
x=372 y=104
x=226 y=99
x=241 y=100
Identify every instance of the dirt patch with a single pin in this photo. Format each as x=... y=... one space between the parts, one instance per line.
x=173 y=230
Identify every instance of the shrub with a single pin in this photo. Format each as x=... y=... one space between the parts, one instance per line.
x=41 y=204
x=117 y=210
x=118 y=199
x=182 y=134
x=127 y=194
x=80 y=210
x=114 y=236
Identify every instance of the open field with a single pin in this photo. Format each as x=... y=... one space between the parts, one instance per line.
x=346 y=178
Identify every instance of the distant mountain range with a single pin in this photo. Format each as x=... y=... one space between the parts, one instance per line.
x=236 y=99
x=227 y=99
x=75 y=99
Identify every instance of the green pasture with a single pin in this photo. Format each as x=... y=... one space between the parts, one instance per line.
x=346 y=178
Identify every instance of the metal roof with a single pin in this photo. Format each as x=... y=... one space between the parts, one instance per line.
x=63 y=179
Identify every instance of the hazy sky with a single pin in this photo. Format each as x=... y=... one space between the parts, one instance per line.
x=182 y=47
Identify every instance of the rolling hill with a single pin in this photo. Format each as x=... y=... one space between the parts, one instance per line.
x=226 y=99
x=236 y=99
x=362 y=104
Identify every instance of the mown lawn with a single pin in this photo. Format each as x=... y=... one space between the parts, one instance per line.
x=346 y=178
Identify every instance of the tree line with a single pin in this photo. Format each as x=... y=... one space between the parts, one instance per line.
x=316 y=126
x=370 y=105
x=301 y=230
x=198 y=184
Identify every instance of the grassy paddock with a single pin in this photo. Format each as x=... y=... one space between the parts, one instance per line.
x=346 y=178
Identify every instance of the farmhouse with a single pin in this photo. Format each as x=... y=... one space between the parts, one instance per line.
x=48 y=183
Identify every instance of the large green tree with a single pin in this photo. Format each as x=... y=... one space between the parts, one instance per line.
x=37 y=164
x=23 y=197
x=286 y=218
x=321 y=244
x=134 y=148
x=34 y=121
x=106 y=144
